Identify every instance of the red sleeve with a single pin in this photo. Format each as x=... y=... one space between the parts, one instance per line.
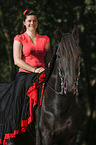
x=18 y=38
x=47 y=39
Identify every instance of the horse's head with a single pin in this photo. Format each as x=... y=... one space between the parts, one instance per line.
x=68 y=56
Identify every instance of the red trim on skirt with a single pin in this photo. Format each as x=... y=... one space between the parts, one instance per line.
x=33 y=94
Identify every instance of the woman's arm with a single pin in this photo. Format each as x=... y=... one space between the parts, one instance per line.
x=17 y=55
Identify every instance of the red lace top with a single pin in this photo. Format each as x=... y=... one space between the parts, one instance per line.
x=33 y=54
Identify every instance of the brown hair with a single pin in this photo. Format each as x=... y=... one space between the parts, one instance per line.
x=26 y=13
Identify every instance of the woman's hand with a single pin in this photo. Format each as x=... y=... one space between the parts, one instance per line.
x=39 y=70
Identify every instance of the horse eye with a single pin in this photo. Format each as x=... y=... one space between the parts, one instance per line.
x=58 y=56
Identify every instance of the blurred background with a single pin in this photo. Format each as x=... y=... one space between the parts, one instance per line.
x=51 y=15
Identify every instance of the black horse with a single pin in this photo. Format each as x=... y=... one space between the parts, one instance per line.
x=58 y=119
x=60 y=115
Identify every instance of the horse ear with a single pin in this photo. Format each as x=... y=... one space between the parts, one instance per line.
x=58 y=33
x=75 y=32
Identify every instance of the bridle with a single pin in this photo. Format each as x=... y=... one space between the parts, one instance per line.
x=63 y=84
x=62 y=88
x=74 y=88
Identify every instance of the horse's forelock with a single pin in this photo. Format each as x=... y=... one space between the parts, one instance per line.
x=69 y=53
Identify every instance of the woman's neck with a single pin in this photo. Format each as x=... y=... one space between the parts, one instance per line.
x=31 y=34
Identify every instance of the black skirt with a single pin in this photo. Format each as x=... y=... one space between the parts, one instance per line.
x=17 y=101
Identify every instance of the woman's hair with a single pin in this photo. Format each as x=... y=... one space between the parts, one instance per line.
x=26 y=13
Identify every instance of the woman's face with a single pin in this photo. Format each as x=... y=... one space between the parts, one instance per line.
x=31 y=23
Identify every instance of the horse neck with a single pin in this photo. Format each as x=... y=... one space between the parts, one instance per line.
x=55 y=80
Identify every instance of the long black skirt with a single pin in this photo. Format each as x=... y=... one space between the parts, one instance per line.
x=17 y=102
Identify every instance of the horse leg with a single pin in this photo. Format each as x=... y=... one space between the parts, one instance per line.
x=46 y=125
x=45 y=136
x=42 y=132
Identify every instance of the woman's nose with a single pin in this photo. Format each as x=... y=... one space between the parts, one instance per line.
x=32 y=22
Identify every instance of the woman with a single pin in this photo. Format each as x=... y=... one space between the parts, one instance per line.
x=29 y=64
x=17 y=99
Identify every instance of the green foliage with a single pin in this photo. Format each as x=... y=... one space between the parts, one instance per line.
x=51 y=15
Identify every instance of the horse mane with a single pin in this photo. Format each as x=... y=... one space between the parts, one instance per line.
x=69 y=53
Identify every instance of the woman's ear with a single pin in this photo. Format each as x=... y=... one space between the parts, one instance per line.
x=24 y=23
